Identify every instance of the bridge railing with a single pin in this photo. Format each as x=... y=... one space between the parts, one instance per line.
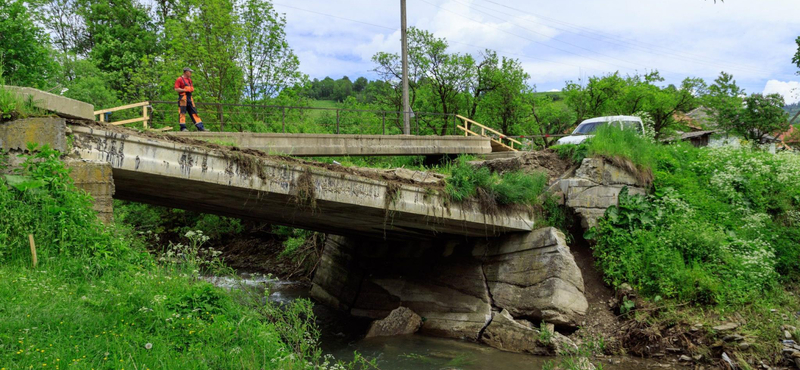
x=499 y=140
x=293 y=119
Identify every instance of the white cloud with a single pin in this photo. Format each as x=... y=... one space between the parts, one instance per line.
x=789 y=89
x=562 y=40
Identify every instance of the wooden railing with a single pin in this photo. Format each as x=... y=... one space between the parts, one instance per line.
x=145 y=118
x=500 y=142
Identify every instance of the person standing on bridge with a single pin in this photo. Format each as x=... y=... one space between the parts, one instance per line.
x=184 y=87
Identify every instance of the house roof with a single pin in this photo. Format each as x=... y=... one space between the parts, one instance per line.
x=791 y=136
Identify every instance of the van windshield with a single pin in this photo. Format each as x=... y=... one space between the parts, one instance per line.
x=587 y=128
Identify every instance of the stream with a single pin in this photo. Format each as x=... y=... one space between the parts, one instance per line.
x=341 y=336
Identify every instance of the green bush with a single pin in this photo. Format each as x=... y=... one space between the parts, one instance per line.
x=719 y=227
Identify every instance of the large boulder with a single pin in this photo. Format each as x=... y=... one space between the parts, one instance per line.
x=595 y=186
x=535 y=275
x=401 y=321
x=507 y=334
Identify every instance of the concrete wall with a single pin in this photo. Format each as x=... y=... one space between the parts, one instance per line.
x=16 y=135
x=95 y=177
x=64 y=107
x=325 y=145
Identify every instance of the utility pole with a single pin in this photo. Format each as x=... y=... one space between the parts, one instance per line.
x=404 y=37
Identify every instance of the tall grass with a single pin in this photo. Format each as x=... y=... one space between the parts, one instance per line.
x=468 y=182
x=615 y=144
x=98 y=300
x=12 y=105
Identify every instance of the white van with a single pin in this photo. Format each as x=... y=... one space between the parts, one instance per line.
x=587 y=127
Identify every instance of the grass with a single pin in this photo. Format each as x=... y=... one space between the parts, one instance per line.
x=13 y=106
x=466 y=182
x=98 y=300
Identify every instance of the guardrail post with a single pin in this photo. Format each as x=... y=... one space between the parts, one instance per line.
x=221 y=117
x=144 y=115
x=283 y=120
x=384 y=122
x=416 y=120
x=337 y=121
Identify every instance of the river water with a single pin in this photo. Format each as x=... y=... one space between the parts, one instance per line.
x=341 y=337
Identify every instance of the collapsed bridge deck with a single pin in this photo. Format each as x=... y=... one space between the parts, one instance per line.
x=286 y=192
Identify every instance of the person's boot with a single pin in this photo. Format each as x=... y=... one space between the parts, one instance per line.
x=183 y=127
x=200 y=126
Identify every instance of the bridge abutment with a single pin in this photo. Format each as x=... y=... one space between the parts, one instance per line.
x=456 y=285
x=94 y=177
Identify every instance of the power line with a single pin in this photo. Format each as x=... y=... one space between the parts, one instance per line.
x=336 y=16
x=677 y=54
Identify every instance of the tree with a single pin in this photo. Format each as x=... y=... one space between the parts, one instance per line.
x=505 y=99
x=663 y=103
x=760 y=116
x=360 y=84
x=24 y=54
x=268 y=63
x=209 y=40
x=549 y=118
x=724 y=99
x=66 y=25
x=447 y=75
x=342 y=88
x=119 y=33
x=796 y=58
x=598 y=98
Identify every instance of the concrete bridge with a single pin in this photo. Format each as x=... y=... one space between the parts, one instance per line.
x=280 y=190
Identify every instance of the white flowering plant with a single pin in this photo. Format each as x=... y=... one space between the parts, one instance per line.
x=720 y=225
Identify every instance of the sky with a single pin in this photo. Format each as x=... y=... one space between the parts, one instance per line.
x=558 y=41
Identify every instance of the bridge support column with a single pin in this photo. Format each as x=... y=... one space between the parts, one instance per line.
x=95 y=178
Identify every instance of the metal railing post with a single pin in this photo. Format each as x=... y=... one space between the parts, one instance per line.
x=337 y=122
x=283 y=120
x=384 y=122
x=416 y=119
x=221 y=117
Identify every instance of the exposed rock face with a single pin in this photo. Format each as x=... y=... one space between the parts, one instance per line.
x=401 y=321
x=594 y=187
x=454 y=285
x=505 y=333
x=535 y=275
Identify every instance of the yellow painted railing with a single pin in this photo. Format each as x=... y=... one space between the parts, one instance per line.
x=145 y=118
x=500 y=142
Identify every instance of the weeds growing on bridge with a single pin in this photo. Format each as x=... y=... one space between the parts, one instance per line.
x=492 y=190
x=13 y=106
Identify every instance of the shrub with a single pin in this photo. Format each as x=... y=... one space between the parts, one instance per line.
x=719 y=227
